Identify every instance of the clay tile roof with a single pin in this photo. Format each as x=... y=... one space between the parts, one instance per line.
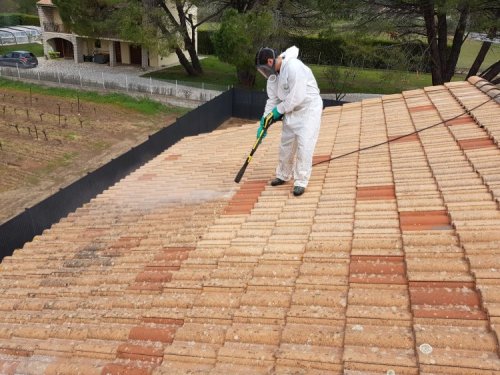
x=388 y=264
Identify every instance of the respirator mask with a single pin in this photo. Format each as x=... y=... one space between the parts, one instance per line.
x=268 y=72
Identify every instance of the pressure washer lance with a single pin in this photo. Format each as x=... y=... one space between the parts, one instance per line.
x=268 y=121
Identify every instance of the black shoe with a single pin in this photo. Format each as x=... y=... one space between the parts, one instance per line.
x=277 y=181
x=298 y=190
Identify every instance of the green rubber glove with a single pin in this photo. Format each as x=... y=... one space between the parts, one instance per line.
x=261 y=128
x=276 y=115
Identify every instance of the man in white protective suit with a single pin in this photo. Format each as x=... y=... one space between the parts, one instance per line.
x=293 y=95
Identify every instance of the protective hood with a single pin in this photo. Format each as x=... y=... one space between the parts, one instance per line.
x=289 y=54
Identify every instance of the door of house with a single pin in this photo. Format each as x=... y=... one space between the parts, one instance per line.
x=135 y=55
x=118 y=52
x=68 y=50
x=64 y=48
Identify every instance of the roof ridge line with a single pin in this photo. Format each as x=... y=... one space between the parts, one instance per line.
x=486 y=87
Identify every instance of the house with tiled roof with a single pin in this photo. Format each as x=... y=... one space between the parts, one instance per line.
x=388 y=264
x=58 y=37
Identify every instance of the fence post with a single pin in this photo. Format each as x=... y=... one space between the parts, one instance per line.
x=175 y=88
x=103 y=84
x=58 y=77
x=80 y=75
x=38 y=73
x=126 y=82
x=18 y=74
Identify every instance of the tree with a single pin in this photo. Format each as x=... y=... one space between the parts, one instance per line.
x=27 y=6
x=8 y=6
x=433 y=19
x=338 y=81
x=238 y=39
x=490 y=24
x=19 y=6
x=492 y=73
x=250 y=24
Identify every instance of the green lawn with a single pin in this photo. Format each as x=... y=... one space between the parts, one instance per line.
x=216 y=73
x=366 y=81
x=469 y=52
x=374 y=81
x=35 y=48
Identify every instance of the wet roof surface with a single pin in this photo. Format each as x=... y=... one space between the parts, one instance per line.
x=388 y=264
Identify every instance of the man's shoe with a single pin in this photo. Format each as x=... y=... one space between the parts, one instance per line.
x=277 y=181
x=298 y=190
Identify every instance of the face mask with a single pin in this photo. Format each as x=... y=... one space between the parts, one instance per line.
x=262 y=56
x=267 y=71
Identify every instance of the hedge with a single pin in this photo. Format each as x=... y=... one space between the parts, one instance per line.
x=366 y=53
x=18 y=19
x=363 y=53
x=205 y=44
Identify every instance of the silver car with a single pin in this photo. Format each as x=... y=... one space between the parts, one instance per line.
x=23 y=59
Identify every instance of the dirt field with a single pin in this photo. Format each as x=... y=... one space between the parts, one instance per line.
x=48 y=142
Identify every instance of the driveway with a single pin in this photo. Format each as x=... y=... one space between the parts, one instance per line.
x=69 y=67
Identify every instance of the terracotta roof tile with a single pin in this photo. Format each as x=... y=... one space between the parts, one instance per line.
x=471 y=346
x=310 y=359
x=387 y=302
x=388 y=263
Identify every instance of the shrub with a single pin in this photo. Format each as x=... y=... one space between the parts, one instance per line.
x=205 y=44
x=319 y=50
x=54 y=54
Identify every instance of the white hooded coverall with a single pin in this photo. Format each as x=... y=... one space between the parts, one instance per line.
x=296 y=95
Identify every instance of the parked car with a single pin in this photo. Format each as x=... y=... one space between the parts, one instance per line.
x=23 y=59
